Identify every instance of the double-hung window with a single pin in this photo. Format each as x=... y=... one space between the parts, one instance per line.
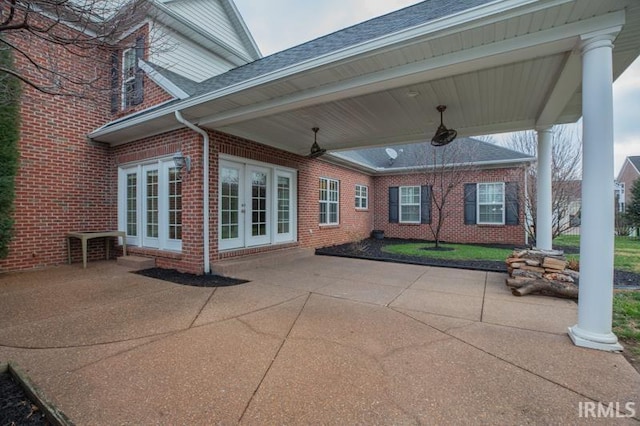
x=491 y=203
x=362 y=197
x=128 y=77
x=409 y=204
x=150 y=204
x=329 y=201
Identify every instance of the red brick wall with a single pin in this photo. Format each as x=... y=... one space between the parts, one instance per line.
x=60 y=186
x=65 y=182
x=153 y=94
x=353 y=224
x=454 y=229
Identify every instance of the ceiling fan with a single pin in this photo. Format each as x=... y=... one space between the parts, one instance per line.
x=316 y=151
x=443 y=135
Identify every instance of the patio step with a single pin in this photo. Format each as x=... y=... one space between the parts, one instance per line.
x=235 y=265
x=136 y=263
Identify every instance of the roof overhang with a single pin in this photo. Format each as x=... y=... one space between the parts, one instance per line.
x=504 y=66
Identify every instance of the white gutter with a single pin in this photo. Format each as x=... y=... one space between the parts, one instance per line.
x=392 y=170
x=205 y=186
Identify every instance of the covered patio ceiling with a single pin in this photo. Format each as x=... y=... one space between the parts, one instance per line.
x=502 y=66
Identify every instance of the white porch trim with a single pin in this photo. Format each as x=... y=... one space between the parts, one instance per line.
x=595 y=300
x=544 y=207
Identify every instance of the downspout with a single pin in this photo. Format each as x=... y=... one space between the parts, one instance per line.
x=526 y=204
x=205 y=186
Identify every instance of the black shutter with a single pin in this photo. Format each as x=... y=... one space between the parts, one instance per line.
x=115 y=82
x=470 y=203
x=138 y=85
x=425 y=204
x=512 y=208
x=394 y=193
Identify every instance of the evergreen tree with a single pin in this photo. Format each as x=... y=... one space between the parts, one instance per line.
x=9 y=134
x=633 y=209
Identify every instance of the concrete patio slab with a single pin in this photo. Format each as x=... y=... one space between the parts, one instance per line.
x=467 y=287
x=201 y=376
x=434 y=302
x=230 y=302
x=539 y=317
x=303 y=344
x=373 y=330
x=599 y=375
x=128 y=319
x=439 y=322
x=463 y=385
x=361 y=291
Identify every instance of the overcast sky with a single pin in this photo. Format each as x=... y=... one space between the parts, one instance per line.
x=279 y=24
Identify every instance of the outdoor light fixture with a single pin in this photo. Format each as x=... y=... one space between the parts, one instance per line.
x=181 y=161
x=443 y=135
x=316 y=151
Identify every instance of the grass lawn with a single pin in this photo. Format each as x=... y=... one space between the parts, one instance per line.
x=626 y=319
x=626 y=256
x=459 y=252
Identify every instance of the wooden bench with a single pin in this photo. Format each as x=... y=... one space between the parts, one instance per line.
x=84 y=236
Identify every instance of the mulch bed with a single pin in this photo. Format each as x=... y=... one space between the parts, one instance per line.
x=207 y=280
x=371 y=249
x=15 y=407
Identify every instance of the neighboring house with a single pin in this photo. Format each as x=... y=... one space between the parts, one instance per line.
x=628 y=174
x=243 y=123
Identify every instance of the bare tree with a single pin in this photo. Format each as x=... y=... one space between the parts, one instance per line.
x=447 y=169
x=565 y=175
x=36 y=31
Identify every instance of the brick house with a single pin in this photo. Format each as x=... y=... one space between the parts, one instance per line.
x=244 y=124
x=629 y=172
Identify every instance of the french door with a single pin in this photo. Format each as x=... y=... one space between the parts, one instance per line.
x=257 y=205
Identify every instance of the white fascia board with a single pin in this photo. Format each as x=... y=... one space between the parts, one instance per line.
x=162 y=81
x=476 y=164
x=436 y=28
x=394 y=170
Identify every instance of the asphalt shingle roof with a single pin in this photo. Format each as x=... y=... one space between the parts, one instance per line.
x=374 y=28
x=635 y=160
x=460 y=151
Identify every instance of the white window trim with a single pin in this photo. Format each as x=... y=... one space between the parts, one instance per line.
x=504 y=207
x=361 y=198
x=162 y=242
x=400 y=204
x=328 y=203
x=125 y=79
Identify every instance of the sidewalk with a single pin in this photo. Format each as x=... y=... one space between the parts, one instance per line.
x=318 y=340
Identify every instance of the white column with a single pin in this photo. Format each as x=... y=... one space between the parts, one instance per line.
x=544 y=209
x=597 y=217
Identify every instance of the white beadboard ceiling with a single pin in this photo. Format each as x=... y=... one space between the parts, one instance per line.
x=512 y=71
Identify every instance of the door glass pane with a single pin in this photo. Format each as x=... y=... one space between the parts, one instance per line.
x=230 y=180
x=175 y=204
x=152 y=203
x=284 y=196
x=132 y=204
x=259 y=203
